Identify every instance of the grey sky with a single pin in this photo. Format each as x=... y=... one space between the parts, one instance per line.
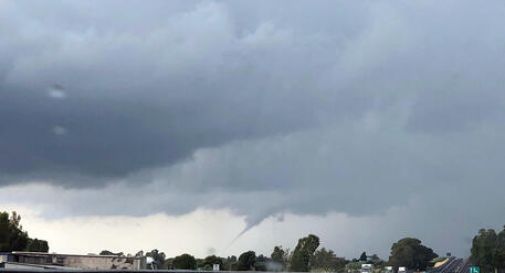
x=260 y=107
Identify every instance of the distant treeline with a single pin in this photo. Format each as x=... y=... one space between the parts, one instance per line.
x=306 y=257
x=488 y=252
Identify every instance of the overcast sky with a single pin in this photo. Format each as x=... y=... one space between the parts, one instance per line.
x=177 y=125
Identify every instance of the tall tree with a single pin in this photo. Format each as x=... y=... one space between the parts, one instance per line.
x=279 y=258
x=499 y=252
x=12 y=236
x=483 y=249
x=488 y=250
x=411 y=253
x=246 y=261
x=300 y=261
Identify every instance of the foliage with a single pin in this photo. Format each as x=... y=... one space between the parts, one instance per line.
x=483 y=246
x=279 y=258
x=499 y=252
x=184 y=261
x=262 y=263
x=363 y=257
x=246 y=261
x=300 y=260
x=488 y=250
x=36 y=245
x=376 y=260
x=210 y=261
x=108 y=252
x=409 y=252
x=353 y=266
x=327 y=261
x=13 y=238
x=230 y=263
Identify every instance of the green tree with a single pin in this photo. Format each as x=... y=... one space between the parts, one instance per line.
x=363 y=257
x=230 y=263
x=246 y=261
x=210 y=261
x=374 y=259
x=378 y=263
x=499 y=252
x=262 y=263
x=353 y=266
x=36 y=245
x=327 y=261
x=12 y=236
x=279 y=258
x=488 y=250
x=184 y=261
x=411 y=253
x=483 y=249
x=300 y=261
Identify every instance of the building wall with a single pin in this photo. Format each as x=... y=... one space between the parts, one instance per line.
x=102 y=262
x=35 y=259
x=96 y=262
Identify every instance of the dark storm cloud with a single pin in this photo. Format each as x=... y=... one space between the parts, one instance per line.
x=148 y=94
x=261 y=107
